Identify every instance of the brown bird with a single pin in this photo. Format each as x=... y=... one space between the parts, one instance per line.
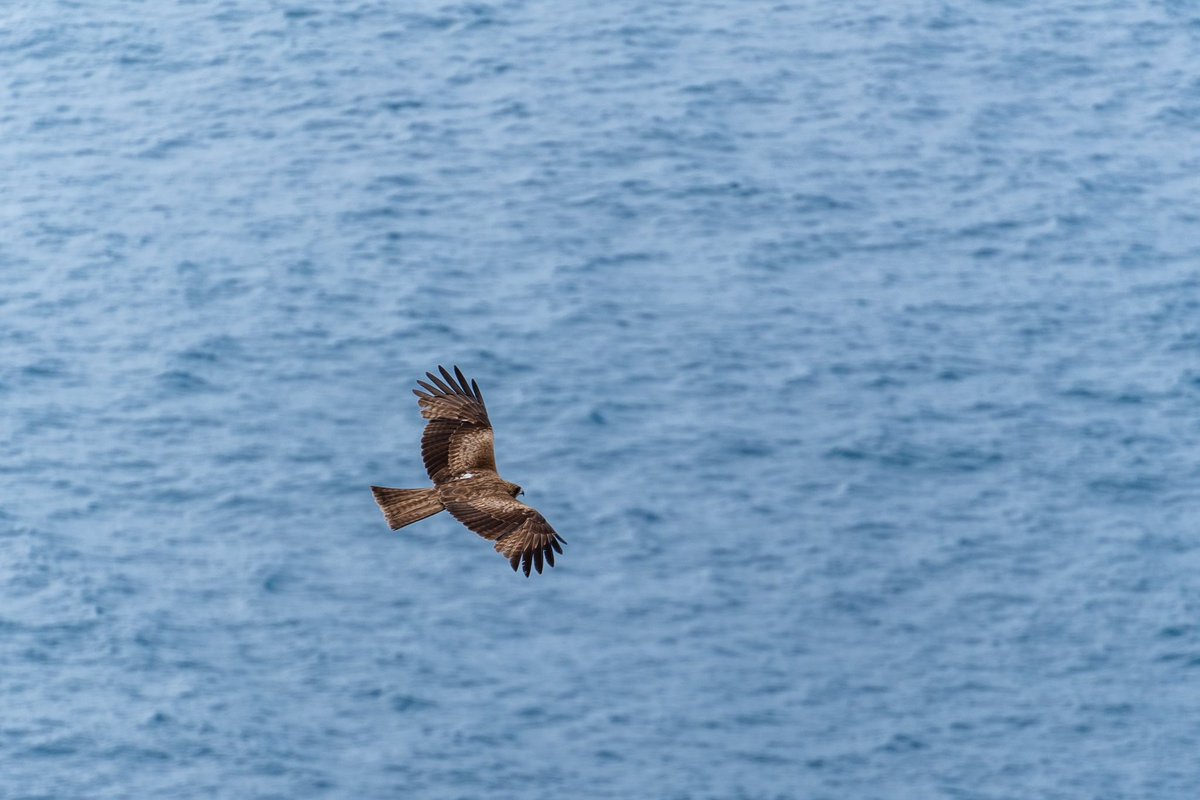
x=458 y=450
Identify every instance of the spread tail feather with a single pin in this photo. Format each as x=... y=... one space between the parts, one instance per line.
x=405 y=506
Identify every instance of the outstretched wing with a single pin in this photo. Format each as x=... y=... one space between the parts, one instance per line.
x=521 y=534
x=458 y=437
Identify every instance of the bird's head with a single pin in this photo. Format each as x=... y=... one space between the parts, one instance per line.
x=515 y=490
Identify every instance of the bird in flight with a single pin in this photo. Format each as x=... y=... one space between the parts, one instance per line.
x=457 y=447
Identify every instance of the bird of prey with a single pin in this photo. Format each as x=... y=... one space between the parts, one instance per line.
x=458 y=454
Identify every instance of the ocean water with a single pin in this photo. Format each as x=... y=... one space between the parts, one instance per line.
x=853 y=347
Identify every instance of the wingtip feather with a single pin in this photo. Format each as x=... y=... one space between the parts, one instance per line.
x=437 y=382
x=462 y=381
x=449 y=378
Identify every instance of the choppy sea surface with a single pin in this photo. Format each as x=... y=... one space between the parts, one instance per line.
x=853 y=347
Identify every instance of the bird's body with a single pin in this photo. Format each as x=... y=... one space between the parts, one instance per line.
x=457 y=447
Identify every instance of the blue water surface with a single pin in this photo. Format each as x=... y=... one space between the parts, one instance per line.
x=853 y=347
